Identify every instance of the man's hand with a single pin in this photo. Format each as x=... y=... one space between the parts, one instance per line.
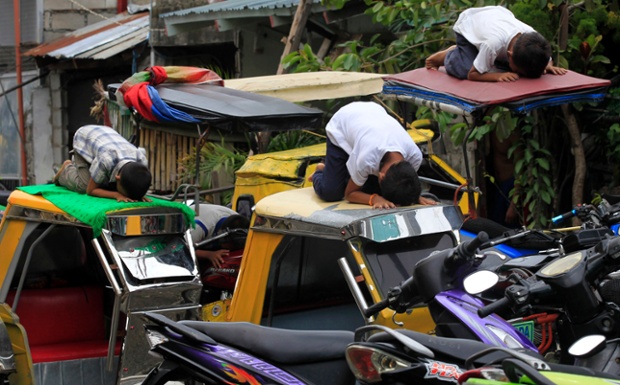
x=379 y=202
x=121 y=198
x=215 y=257
x=507 y=77
x=551 y=69
x=426 y=201
x=476 y=76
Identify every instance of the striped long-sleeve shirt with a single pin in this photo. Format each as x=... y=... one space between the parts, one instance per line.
x=106 y=150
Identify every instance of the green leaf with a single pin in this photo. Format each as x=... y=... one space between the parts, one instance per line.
x=519 y=166
x=528 y=195
x=600 y=59
x=542 y=162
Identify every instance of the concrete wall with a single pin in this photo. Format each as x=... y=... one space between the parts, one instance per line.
x=62 y=16
x=42 y=152
x=48 y=131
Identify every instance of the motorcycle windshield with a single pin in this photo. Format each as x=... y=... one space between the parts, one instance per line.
x=155 y=257
x=392 y=262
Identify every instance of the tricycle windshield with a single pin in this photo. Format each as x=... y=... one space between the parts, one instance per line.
x=392 y=262
x=155 y=257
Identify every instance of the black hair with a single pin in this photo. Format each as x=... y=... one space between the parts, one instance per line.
x=235 y=221
x=531 y=53
x=135 y=180
x=401 y=184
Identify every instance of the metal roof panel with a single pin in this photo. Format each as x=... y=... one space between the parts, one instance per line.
x=233 y=5
x=98 y=41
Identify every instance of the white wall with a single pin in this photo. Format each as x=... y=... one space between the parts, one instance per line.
x=42 y=156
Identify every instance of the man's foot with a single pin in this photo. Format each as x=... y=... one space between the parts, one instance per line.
x=437 y=59
x=319 y=167
x=57 y=175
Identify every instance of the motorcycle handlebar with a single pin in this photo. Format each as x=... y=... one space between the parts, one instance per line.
x=375 y=308
x=494 y=307
x=562 y=217
x=469 y=248
x=466 y=250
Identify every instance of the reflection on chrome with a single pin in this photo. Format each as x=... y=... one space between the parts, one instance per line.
x=170 y=223
x=156 y=257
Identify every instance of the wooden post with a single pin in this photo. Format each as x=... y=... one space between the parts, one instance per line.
x=297 y=28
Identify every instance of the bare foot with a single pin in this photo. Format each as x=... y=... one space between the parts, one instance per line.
x=319 y=167
x=437 y=59
x=65 y=164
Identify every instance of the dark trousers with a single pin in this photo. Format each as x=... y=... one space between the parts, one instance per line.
x=459 y=61
x=331 y=183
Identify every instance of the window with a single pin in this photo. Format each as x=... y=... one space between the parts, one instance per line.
x=306 y=288
x=30 y=21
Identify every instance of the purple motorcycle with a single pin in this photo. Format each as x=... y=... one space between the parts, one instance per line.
x=437 y=281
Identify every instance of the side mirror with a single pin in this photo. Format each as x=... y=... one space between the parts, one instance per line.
x=587 y=346
x=480 y=281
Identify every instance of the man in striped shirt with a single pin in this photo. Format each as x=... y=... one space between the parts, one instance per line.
x=104 y=164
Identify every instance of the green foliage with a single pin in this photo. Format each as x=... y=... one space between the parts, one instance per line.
x=422 y=27
x=217 y=157
x=533 y=192
x=293 y=139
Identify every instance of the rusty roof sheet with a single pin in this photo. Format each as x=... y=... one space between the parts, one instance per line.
x=98 y=41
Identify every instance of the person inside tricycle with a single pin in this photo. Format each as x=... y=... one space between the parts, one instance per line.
x=219 y=239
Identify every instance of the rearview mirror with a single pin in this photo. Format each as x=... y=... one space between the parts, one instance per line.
x=587 y=346
x=480 y=281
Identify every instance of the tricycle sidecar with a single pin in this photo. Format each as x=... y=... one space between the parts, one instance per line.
x=73 y=294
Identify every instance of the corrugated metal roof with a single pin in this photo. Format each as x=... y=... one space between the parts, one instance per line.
x=233 y=5
x=197 y=17
x=98 y=41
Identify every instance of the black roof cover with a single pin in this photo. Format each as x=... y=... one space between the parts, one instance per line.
x=230 y=109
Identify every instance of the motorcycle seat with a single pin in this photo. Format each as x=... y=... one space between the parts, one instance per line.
x=449 y=349
x=284 y=346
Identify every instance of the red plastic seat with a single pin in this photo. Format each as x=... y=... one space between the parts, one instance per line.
x=63 y=323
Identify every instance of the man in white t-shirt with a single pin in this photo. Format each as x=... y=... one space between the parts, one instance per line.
x=370 y=159
x=210 y=220
x=489 y=39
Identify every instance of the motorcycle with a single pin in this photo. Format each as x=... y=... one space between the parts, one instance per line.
x=582 y=288
x=245 y=353
x=514 y=370
x=437 y=281
x=241 y=353
x=597 y=221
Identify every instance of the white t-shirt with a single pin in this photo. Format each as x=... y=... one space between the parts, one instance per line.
x=490 y=29
x=209 y=216
x=365 y=131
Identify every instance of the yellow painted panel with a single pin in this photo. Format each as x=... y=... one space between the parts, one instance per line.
x=249 y=294
x=12 y=233
x=21 y=349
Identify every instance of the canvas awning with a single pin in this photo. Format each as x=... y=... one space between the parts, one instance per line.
x=307 y=86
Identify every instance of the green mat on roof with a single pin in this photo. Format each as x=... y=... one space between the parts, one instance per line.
x=92 y=210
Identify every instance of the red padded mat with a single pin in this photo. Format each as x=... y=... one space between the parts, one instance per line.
x=487 y=93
